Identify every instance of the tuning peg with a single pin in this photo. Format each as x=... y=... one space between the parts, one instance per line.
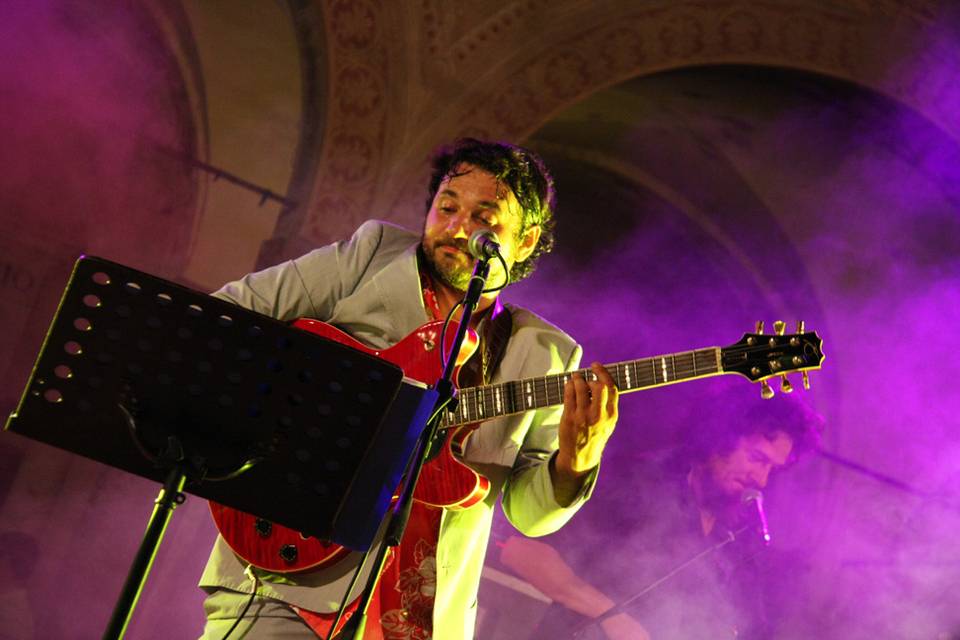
x=800 y=326
x=779 y=326
x=759 y=327
x=765 y=391
x=785 y=385
x=806 y=380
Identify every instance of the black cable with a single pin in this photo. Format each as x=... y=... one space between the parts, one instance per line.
x=506 y=276
x=256 y=583
x=443 y=334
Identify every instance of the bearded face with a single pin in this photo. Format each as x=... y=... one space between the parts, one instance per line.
x=467 y=200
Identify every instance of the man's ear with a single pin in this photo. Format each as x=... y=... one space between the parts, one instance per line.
x=528 y=242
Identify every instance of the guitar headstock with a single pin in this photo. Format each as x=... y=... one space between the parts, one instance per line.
x=759 y=357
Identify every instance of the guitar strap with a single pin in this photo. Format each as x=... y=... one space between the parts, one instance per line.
x=495 y=339
x=494 y=336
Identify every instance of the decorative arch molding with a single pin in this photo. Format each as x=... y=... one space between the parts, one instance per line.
x=400 y=85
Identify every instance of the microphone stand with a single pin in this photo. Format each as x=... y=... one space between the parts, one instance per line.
x=398 y=517
x=626 y=603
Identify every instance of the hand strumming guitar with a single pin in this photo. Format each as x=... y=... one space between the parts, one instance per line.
x=588 y=419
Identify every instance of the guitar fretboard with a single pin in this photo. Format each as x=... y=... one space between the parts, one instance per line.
x=516 y=396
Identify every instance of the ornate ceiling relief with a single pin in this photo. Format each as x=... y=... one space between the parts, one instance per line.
x=642 y=42
x=406 y=79
x=354 y=142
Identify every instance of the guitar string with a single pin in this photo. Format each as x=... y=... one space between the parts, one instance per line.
x=543 y=394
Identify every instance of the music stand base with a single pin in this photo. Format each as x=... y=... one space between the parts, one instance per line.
x=170 y=496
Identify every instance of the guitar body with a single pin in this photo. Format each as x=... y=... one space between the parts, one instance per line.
x=444 y=481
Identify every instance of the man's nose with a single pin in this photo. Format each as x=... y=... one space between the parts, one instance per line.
x=459 y=226
x=760 y=477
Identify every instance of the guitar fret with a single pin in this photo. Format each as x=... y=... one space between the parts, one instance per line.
x=550 y=386
x=709 y=360
x=516 y=396
x=690 y=364
x=680 y=370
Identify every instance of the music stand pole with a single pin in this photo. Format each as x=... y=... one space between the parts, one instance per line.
x=399 y=516
x=170 y=496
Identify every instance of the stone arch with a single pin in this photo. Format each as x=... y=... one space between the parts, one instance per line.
x=398 y=91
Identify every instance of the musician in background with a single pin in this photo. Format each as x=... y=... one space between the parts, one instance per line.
x=667 y=508
x=379 y=286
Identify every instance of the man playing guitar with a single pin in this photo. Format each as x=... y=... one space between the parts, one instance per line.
x=379 y=287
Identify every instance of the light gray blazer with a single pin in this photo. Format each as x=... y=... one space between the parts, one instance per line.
x=369 y=286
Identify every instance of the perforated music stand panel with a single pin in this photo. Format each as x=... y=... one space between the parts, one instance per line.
x=132 y=360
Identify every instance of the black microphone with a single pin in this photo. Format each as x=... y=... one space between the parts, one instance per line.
x=483 y=244
x=752 y=499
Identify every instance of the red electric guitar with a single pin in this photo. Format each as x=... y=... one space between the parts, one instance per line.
x=448 y=483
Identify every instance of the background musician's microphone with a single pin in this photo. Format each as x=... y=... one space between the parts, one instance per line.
x=752 y=499
x=483 y=244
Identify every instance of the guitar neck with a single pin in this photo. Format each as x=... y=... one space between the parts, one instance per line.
x=516 y=396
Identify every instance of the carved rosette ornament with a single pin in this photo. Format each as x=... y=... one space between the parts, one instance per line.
x=354 y=140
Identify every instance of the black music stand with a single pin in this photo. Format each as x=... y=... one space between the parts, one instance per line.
x=182 y=388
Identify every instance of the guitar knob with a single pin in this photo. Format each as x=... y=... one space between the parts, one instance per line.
x=779 y=326
x=289 y=553
x=759 y=327
x=765 y=391
x=806 y=380
x=785 y=385
x=263 y=527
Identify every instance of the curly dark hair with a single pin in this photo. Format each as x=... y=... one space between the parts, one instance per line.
x=519 y=169
x=718 y=424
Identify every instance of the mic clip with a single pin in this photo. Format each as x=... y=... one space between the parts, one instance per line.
x=483 y=244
